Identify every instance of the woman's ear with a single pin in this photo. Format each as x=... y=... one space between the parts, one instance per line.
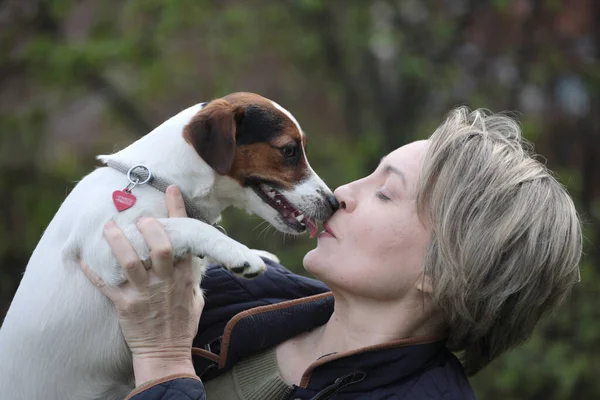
x=212 y=134
x=424 y=285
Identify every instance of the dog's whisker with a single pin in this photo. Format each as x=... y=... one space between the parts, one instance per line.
x=264 y=230
x=259 y=225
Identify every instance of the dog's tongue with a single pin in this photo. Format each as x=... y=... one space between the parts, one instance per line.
x=312 y=226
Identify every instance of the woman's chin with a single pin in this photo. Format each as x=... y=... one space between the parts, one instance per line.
x=312 y=260
x=321 y=264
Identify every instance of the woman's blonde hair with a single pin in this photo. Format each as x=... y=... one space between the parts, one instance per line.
x=506 y=238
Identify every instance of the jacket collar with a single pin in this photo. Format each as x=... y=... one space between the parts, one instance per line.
x=383 y=364
x=263 y=327
x=259 y=328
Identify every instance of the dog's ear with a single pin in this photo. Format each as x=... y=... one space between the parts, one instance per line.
x=212 y=133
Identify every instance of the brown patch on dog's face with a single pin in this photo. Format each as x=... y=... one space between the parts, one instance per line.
x=263 y=162
x=245 y=136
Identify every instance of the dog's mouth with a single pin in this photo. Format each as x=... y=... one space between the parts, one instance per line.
x=291 y=216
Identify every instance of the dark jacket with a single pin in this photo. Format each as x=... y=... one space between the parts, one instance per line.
x=243 y=317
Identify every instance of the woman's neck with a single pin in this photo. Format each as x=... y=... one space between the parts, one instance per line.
x=358 y=323
x=355 y=324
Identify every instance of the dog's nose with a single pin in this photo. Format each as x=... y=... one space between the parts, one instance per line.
x=333 y=203
x=330 y=203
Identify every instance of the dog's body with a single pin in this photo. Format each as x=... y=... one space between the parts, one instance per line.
x=60 y=338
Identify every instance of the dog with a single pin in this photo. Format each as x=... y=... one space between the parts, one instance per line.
x=60 y=338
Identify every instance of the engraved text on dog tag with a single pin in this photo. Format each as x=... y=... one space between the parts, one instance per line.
x=123 y=199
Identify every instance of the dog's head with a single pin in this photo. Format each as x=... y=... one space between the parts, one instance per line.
x=260 y=145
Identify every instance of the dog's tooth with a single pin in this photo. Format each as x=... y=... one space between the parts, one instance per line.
x=300 y=218
x=271 y=194
x=278 y=201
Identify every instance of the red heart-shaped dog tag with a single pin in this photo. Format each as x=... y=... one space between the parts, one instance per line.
x=123 y=200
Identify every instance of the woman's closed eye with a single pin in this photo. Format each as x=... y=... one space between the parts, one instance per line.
x=382 y=196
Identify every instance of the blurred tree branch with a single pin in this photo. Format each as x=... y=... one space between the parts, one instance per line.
x=322 y=21
x=404 y=106
x=591 y=154
x=124 y=107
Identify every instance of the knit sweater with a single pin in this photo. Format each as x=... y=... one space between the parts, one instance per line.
x=255 y=378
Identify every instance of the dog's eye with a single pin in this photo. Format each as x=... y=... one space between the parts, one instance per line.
x=290 y=151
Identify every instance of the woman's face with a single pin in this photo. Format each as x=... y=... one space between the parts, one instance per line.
x=376 y=241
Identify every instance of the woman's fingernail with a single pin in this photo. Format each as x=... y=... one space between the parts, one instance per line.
x=173 y=190
x=109 y=224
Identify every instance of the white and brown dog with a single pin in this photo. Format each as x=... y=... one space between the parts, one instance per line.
x=61 y=339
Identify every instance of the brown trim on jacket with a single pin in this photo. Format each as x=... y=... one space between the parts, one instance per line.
x=259 y=310
x=389 y=345
x=150 y=384
x=196 y=351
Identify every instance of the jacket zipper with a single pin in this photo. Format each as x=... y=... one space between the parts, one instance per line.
x=339 y=384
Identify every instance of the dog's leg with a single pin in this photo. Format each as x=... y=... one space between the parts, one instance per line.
x=200 y=239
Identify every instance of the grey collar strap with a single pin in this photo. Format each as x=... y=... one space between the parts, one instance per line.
x=140 y=174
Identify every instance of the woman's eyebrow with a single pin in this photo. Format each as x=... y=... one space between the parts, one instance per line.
x=390 y=169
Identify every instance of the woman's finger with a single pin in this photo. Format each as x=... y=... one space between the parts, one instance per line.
x=161 y=253
x=98 y=282
x=175 y=203
x=126 y=255
x=176 y=208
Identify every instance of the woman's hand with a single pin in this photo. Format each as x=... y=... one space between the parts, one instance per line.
x=158 y=308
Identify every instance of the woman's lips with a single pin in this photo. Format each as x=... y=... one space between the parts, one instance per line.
x=327 y=231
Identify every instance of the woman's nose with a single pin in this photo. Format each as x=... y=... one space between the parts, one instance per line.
x=345 y=198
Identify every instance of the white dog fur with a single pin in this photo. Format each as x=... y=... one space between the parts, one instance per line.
x=61 y=339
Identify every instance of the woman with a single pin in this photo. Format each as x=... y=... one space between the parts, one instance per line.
x=458 y=243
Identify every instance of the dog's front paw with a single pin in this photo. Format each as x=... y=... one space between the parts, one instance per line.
x=243 y=262
x=199 y=239
x=249 y=265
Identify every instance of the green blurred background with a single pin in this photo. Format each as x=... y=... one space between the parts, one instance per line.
x=80 y=78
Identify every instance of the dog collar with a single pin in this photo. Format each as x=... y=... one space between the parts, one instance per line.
x=140 y=174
